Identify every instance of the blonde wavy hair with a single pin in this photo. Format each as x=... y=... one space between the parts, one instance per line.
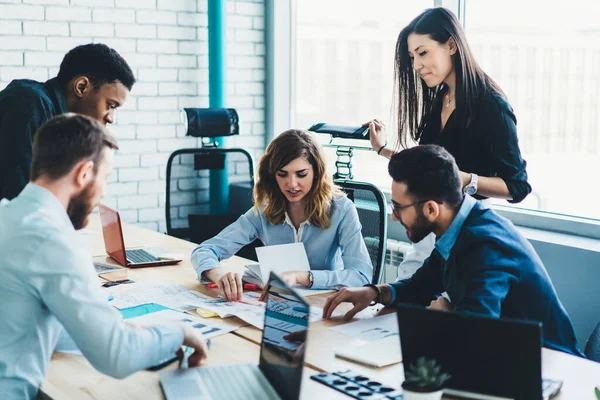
x=285 y=148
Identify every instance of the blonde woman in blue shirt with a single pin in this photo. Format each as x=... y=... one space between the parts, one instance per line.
x=295 y=200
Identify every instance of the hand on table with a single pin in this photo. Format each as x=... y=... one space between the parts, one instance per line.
x=194 y=340
x=360 y=298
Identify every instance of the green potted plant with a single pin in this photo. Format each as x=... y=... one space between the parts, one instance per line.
x=424 y=380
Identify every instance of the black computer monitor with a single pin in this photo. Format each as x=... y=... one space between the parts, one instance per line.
x=489 y=356
x=282 y=355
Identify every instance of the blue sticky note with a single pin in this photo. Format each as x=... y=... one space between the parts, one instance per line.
x=143 y=309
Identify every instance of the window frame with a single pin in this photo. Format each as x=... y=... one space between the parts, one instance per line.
x=280 y=36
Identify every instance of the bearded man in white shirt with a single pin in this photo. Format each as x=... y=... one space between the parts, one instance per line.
x=47 y=278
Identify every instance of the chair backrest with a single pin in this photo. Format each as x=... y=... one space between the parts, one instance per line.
x=187 y=207
x=370 y=204
x=592 y=348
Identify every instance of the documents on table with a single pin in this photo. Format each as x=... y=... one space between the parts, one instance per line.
x=169 y=317
x=135 y=294
x=249 y=309
x=371 y=329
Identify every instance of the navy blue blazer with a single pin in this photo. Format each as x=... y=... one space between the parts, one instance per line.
x=493 y=270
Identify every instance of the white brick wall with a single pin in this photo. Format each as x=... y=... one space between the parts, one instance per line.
x=165 y=42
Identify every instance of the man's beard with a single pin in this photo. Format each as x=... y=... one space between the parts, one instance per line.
x=421 y=228
x=81 y=206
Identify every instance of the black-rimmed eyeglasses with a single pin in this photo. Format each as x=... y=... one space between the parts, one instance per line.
x=397 y=208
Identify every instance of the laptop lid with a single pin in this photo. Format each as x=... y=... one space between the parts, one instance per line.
x=113 y=234
x=284 y=338
x=496 y=357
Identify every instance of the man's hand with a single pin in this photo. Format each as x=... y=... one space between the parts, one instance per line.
x=441 y=304
x=195 y=340
x=359 y=297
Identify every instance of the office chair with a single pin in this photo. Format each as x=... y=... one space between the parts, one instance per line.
x=188 y=196
x=592 y=348
x=371 y=207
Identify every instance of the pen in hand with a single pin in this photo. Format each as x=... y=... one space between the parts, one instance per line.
x=187 y=352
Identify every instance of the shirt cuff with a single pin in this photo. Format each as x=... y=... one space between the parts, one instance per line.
x=320 y=279
x=170 y=339
x=393 y=292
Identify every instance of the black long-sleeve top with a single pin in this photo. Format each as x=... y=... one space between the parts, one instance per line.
x=24 y=106
x=487 y=147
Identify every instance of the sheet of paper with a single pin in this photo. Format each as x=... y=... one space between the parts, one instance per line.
x=282 y=258
x=370 y=329
x=138 y=293
x=184 y=301
x=169 y=317
x=304 y=292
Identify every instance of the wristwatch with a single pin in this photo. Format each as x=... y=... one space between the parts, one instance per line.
x=471 y=188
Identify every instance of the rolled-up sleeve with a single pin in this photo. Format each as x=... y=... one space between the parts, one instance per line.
x=358 y=270
x=505 y=155
x=209 y=253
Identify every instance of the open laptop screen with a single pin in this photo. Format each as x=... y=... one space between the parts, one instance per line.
x=113 y=234
x=484 y=355
x=284 y=338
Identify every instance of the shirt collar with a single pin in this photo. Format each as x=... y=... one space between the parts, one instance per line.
x=58 y=95
x=288 y=221
x=46 y=200
x=446 y=242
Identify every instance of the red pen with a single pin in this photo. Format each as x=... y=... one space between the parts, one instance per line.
x=247 y=286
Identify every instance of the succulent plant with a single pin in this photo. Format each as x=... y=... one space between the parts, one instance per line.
x=424 y=375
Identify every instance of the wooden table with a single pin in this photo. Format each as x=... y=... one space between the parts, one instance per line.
x=70 y=376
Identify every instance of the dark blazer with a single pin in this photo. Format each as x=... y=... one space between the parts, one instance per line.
x=493 y=270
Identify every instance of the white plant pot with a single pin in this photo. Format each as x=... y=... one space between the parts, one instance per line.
x=409 y=395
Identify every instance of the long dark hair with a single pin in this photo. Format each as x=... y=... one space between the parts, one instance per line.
x=414 y=99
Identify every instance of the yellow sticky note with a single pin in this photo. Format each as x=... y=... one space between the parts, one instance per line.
x=204 y=313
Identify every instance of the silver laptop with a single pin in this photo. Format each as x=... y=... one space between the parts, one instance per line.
x=279 y=372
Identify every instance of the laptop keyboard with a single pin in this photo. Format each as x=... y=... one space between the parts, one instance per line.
x=242 y=381
x=140 y=256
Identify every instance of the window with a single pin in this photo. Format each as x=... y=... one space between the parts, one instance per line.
x=344 y=67
x=545 y=55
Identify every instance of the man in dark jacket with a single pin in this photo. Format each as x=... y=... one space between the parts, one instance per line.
x=480 y=259
x=93 y=80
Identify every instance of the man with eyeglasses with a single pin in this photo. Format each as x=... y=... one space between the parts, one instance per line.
x=480 y=259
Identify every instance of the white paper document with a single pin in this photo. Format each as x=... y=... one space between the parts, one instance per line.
x=172 y=296
x=169 y=317
x=371 y=329
x=279 y=259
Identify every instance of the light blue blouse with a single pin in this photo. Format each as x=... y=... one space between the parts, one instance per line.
x=337 y=255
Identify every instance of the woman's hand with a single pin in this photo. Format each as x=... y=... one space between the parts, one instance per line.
x=292 y=278
x=377 y=134
x=229 y=283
